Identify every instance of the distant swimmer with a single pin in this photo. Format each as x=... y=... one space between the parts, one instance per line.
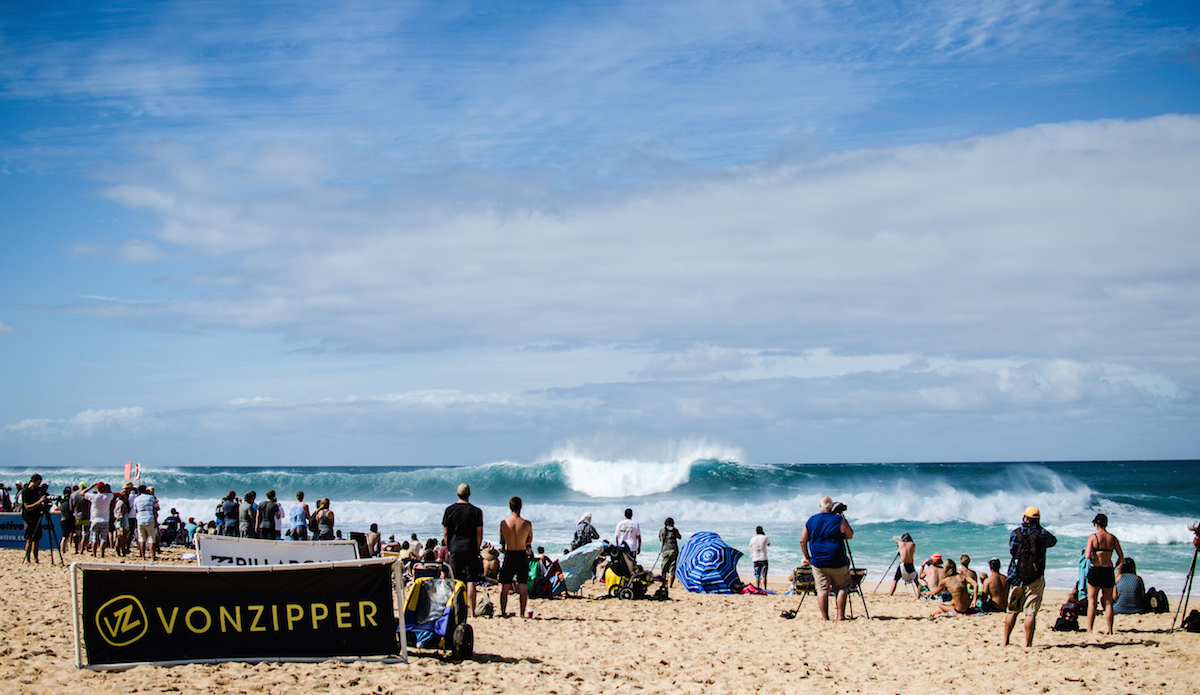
x=906 y=548
x=516 y=539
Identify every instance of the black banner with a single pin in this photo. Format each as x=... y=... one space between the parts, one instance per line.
x=197 y=614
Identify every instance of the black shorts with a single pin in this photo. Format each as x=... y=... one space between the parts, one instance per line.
x=33 y=528
x=467 y=567
x=68 y=525
x=1102 y=577
x=515 y=567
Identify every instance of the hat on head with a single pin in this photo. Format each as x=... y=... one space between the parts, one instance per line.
x=128 y=485
x=936 y=556
x=1033 y=513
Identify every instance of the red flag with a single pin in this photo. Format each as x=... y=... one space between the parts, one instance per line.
x=128 y=465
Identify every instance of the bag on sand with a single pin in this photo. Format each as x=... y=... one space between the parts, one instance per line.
x=483 y=605
x=1068 y=620
x=1156 y=601
x=1192 y=622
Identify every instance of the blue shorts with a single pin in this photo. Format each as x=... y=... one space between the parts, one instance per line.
x=760 y=568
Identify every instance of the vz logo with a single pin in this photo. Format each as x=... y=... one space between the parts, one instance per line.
x=122 y=621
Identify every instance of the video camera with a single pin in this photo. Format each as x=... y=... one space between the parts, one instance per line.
x=839 y=508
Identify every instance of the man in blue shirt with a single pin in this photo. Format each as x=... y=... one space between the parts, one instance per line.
x=823 y=542
x=1026 y=576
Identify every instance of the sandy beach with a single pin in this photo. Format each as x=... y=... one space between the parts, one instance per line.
x=692 y=643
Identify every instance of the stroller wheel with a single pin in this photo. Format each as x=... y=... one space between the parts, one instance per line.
x=625 y=593
x=463 y=642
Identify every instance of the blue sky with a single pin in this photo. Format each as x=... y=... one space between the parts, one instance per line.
x=456 y=233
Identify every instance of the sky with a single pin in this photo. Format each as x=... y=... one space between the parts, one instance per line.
x=456 y=233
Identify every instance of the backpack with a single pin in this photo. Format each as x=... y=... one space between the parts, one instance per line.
x=1192 y=622
x=313 y=523
x=1156 y=601
x=1027 y=557
x=1068 y=620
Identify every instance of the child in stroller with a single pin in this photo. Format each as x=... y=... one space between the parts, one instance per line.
x=626 y=579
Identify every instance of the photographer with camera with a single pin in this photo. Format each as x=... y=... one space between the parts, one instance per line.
x=823 y=542
x=33 y=499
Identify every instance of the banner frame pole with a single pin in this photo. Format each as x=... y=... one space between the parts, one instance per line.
x=403 y=631
x=76 y=612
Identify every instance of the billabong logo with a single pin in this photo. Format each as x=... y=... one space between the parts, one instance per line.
x=122 y=620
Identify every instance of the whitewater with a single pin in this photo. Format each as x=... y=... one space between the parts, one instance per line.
x=950 y=508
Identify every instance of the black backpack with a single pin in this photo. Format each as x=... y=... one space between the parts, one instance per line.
x=1068 y=620
x=1027 y=557
x=1156 y=601
x=1192 y=622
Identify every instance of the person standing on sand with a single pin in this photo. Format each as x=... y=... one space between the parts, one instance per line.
x=298 y=519
x=1102 y=577
x=669 y=536
x=823 y=542
x=101 y=511
x=516 y=538
x=758 y=555
x=906 y=548
x=82 y=509
x=584 y=532
x=629 y=534
x=33 y=500
x=146 y=510
x=462 y=530
x=995 y=589
x=229 y=507
x=1027 y=572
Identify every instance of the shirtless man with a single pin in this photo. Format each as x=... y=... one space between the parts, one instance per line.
x=961 y=601
x=907 y=550
x=516 y=538
x=995 y=589
x=931 y=572
x=966 y=571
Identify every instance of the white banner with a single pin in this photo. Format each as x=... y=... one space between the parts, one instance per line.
x=227 y=551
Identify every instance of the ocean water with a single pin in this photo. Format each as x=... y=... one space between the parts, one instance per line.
x=951 y=508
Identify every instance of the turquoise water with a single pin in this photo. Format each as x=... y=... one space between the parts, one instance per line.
x=951 y=508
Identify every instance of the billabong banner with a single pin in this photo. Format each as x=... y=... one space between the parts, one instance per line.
x=218 y=551
x=134 y=614
x=12 y=531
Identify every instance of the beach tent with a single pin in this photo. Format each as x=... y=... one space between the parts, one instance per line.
x=577 y=565
x=707 y=565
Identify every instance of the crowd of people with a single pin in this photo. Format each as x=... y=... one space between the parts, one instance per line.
x=94 y=518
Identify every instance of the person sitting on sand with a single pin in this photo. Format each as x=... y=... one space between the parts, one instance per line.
x=391 y=546
x=931 y=572
x=994 y=589
x=516 y=538
x=1130 y=591
x=964 y=570
x=962 y=602
x=584 y=532
x=491 y=562
x=906 y=548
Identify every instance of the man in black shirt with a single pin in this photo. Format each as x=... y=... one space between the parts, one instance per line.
x=33 y=499
x=462 y=531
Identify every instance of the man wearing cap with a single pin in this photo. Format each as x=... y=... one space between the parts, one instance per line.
x=906 y=548
x=462 y=532
x=1027 y=577
x=932 y=572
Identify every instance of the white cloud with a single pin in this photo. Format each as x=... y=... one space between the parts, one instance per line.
x=1074 y=241
x=119 y=422
x=6 y=329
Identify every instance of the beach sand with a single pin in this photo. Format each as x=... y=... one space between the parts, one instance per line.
x=690 y=644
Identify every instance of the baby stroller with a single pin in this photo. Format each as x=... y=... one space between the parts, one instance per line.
x=435 y=616
x=626 y=579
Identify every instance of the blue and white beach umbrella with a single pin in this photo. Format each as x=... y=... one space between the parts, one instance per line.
x=707 y=565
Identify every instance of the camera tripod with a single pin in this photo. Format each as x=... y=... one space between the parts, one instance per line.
x=855 y=588
x=1186 y=595
x=48 y=523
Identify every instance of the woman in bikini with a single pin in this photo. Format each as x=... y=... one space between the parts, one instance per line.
x=1102 y=576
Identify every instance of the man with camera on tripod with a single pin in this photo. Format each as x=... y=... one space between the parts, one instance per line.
x=33 y=499
x=823 y=542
